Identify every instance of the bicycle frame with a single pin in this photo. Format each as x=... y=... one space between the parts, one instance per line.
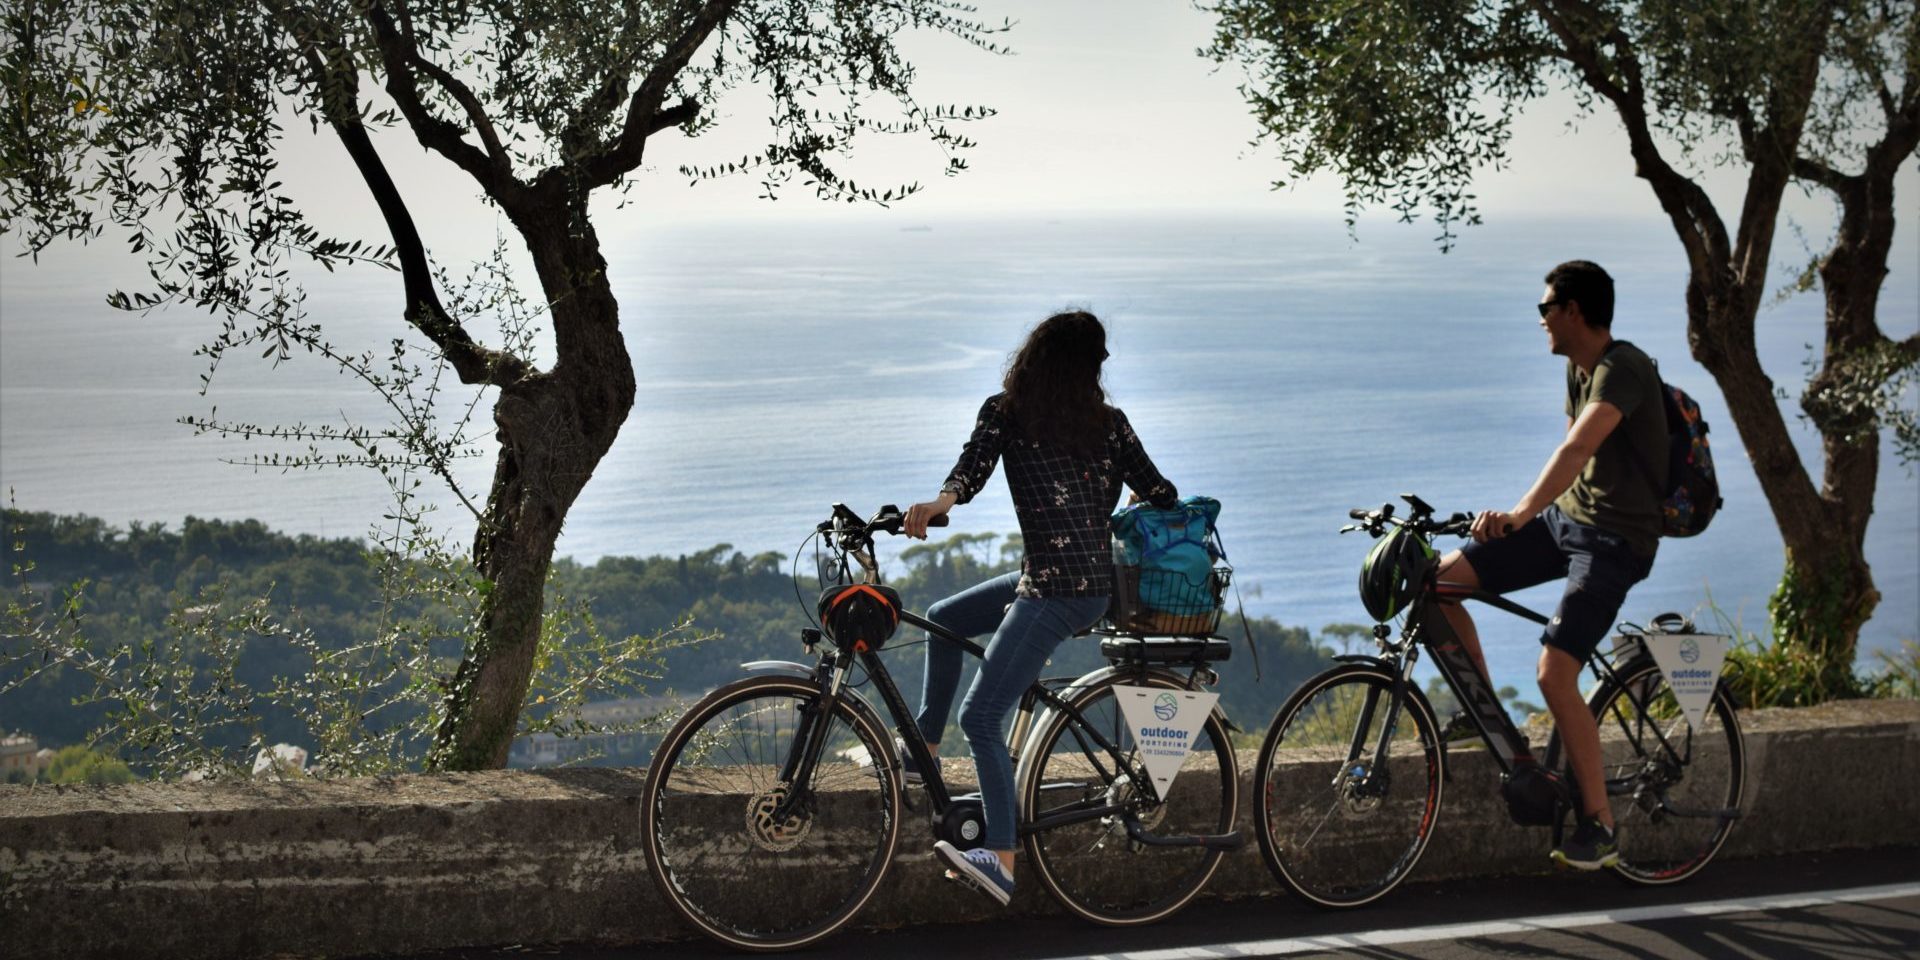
x=1428 y=627
x=836 y=666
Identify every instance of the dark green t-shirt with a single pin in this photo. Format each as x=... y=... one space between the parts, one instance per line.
x=1619 y=490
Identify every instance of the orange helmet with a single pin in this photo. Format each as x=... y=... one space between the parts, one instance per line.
x=859 y=616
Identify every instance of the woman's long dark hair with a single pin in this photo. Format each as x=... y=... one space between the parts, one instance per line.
x=1053 y=392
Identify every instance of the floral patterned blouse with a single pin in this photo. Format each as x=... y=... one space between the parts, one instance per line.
x=1061 y=500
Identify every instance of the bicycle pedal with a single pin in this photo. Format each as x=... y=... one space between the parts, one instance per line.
x=961 y=879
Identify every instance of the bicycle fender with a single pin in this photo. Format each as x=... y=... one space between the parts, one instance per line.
x=787 y=667
x=1362 y=658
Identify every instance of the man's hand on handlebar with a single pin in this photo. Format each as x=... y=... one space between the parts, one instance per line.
x=1495 y=524
x=921 y=515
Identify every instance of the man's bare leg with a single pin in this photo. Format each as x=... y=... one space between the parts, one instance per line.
x=1560 y=684
x=1454 y=568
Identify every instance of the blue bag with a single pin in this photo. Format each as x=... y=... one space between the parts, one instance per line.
x=1174 y=550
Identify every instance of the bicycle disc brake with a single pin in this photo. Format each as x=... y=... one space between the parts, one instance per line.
x=1363 y=791
x=765 y=832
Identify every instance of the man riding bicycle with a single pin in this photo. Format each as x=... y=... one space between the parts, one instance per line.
x=1592 y=516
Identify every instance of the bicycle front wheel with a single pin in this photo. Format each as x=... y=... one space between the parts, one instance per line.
x=1675 y=789
x=1343 y=811
x=1094 y=867
x=717 y=843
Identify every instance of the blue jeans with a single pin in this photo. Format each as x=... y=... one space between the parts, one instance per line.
x=1023 y=638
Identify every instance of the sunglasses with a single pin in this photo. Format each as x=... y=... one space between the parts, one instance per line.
x=1546 y=306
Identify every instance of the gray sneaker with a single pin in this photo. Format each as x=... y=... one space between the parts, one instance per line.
x=1591 y=847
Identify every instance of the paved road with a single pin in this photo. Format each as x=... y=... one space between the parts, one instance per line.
x=1856 y=905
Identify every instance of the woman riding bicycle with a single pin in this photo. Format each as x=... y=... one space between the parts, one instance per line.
x=1067 y=453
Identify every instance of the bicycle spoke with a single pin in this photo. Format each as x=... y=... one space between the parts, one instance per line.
x=1094 y=866
x=1330 y=740
x=1308 y=842
x=1671 y=806
x=720 y=819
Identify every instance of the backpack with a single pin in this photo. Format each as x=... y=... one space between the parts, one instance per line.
x=1692 y=494
x=1174 y=552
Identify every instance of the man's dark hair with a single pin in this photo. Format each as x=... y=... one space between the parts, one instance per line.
x=1583 y=282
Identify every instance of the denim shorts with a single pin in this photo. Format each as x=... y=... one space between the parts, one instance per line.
x=1599 y=567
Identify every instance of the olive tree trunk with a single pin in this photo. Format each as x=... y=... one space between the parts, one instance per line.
x=553 y=429
x=1826 y=592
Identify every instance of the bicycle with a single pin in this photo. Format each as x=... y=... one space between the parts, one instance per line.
x=771 y=813
x=1348 y=796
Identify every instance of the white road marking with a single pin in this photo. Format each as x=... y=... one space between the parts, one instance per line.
x=1494 y=928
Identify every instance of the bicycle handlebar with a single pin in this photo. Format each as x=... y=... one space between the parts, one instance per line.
x=855 y=532
x=1421 y=520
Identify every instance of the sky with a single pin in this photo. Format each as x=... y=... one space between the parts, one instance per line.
x=1104 y=106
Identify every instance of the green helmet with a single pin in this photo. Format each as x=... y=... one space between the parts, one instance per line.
x=1394 y=570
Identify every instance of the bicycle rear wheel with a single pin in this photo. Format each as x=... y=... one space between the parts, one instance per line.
x=715 y=844
x=1093 y=867
x=1675 y=790
x=1336 y=827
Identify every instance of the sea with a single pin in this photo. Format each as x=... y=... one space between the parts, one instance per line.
x=1289 y=368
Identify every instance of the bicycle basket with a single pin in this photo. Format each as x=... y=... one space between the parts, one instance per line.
x=1167 y=602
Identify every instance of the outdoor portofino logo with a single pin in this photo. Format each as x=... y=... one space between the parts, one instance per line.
x=1691 y=662
x=1163 y=724
x=1166 y=706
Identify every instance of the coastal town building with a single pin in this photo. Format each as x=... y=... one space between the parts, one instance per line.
x=22 y=758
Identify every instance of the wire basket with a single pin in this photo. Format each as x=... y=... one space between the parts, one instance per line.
x=1167 y=602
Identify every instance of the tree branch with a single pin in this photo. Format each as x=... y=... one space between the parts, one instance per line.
x=1772 y=161
x=1580 y=52
x=1887 y=104
x=1743 y=122
x=476 y=364
x=644 y=114
x=435 y=133
x=1910 y=92
x=1817 y=171
x=463 y=95
x=1700 y=229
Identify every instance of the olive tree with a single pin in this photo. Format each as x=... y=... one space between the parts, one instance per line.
x=165 y=120
x=1407 y=101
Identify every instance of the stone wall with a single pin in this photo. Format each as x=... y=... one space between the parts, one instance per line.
x=413 y=863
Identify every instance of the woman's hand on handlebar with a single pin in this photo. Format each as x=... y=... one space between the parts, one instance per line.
x=921 y=514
